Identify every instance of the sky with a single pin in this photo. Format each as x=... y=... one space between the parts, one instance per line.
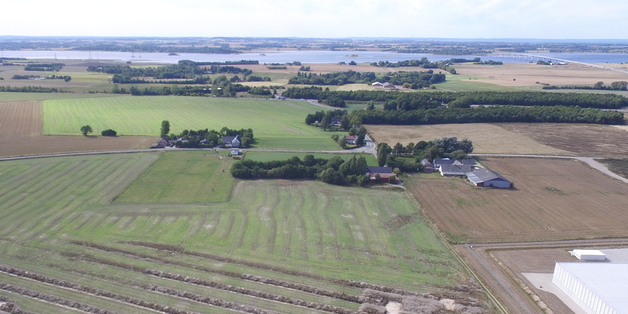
x=548 y=19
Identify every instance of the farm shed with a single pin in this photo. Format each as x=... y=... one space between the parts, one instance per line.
x=487 y=178
x=595 y=287
x=588 y=255
x=454 y=170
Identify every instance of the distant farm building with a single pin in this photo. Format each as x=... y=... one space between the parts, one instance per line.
x=453 y=168
x=381 y=174
x=163 y=143
x=231 y=141
x=377 y=84
x=351 y=139
x=427 y=165
x=487 y=178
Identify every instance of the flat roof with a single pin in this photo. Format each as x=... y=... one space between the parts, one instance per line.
x=608 y=281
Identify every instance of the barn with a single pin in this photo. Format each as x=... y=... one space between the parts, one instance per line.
x=486 y=178
x=595 y=287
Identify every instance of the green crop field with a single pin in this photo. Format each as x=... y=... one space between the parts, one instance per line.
x=276 y=124
x=283 y=246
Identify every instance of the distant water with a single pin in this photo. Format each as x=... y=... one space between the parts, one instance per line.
x=291 y=56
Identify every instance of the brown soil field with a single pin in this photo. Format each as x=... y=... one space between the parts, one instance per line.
x=552 y=199
x=528 y=74
x=20 y=134
x=517 y=138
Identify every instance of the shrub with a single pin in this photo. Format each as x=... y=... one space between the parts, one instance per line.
x=109 y=132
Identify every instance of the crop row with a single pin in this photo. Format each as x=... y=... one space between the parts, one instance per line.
x=248 y=277
x=7 y=305
x=251 y=292
x=80 y=288
x=343 y=282
x=208 y=300
x=52 y=299
x=220 y=286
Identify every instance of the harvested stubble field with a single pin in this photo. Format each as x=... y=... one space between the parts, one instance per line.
x=517 y=138
x=275 y=246
x=528 y=74
x=21 y=134
x=552 y=199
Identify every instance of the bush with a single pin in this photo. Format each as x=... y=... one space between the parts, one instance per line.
x=109 y=132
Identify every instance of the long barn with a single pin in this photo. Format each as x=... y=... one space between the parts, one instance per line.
x=486 y=178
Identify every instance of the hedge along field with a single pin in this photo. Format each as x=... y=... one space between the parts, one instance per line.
x=49 y=206
x=276 y=124
x=269 y=156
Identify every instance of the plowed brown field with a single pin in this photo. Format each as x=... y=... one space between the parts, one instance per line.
x=20 y=134
x=553 y=199
x=517 y=138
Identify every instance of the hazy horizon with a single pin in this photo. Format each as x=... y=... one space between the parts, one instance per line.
x=429 y=19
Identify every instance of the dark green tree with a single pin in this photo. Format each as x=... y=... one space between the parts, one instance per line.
x=86 y=129
x=165 y=128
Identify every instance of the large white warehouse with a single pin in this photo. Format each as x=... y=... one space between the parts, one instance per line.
x=600 y=288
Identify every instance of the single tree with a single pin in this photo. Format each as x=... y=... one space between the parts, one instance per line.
x=86 y=129
x=165 y=128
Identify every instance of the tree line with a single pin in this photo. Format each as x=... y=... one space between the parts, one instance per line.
x=412 y=101
x=333 y=171
x=44 y=67
x=408 y=158
x=206 y=138
x=618 y=85
x=496 y=114
x=413 y=79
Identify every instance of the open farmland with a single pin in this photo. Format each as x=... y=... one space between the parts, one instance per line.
x=191 y=176
x=275 y=246
x=276 y=124
x=517 y=138
x=486 y=137
x=519 y=75
x=20 y=134
x=552 y=199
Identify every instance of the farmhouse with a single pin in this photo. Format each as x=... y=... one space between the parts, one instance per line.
x=378 y=84
x=487 y=178
x=231 y=141
x=381 y=174
x=161 y=144
x=351 y=139
x=428 y=166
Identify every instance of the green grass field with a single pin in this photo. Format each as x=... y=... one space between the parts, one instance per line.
x=276 y=124
x=183 y=177
x=59 y=221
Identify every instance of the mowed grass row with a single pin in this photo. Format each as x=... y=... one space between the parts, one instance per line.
x=276 y=124
x=334 y=232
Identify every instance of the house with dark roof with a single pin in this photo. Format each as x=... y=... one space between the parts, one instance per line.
x=381 y=174
x=231 y=141
x=427 y=165
x=487 y=178
x=163 y=143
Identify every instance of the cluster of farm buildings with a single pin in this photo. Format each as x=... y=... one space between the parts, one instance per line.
x=468 y=167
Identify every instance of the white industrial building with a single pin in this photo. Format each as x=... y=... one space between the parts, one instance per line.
x=588 y=255
x=600 y=288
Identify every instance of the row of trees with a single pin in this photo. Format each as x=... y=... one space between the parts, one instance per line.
x=412 y=101
x=413 y=79
x=226 y=89
x=333 y=171
x=44 y=67
x=618 y=85
x=558 y=114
